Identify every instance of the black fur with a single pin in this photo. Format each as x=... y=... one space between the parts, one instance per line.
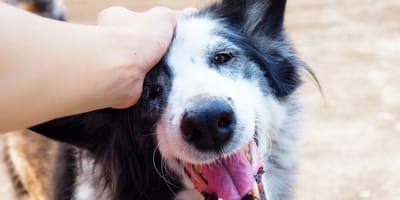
x=263 y=36
x=122 y=142
x=67 y=170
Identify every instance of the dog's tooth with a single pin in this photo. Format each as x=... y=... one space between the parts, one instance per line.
x=246 y=149
x=253 y=193
x=247 y=152
x=197 y=168
x=248 y=156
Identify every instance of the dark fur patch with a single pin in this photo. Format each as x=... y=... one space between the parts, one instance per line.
x=122 y=142
x=66 y=172
x=259 y=31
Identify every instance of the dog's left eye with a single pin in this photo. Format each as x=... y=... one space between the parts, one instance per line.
x=222 y=57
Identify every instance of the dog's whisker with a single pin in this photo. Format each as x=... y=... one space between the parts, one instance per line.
x=154 y=162
x=169 y=183
x=162 y=168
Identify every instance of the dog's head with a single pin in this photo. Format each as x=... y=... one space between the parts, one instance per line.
x=232 y=67
x=209 y=106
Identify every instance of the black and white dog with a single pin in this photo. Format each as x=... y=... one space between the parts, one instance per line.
x=217 y=118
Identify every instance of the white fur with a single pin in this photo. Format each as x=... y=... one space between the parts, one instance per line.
x=58 y=8
x=188 y=59
x=195 y=38
x=87 y=183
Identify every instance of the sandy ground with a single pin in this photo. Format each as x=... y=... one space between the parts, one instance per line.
x=350 y=144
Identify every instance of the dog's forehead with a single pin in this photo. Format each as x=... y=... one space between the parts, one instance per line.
x=194 y=38
x=195 y=31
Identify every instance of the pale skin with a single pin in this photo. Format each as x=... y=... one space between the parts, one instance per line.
x=51 y=69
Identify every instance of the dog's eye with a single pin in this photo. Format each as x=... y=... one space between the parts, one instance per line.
x=222 y=57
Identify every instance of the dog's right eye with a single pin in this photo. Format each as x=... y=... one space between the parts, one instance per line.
x=222 y=57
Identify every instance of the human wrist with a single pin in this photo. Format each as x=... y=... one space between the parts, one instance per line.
x=118 y=73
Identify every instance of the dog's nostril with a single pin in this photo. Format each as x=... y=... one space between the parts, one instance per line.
x=210 y=125
x=196 y=133
x=225 y=120
x=192 y=135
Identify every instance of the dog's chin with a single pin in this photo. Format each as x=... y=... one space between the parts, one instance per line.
x=235 y=175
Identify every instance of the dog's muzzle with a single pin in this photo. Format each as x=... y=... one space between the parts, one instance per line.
x=209 y=123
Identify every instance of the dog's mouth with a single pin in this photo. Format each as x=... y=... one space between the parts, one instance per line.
x=233 y=177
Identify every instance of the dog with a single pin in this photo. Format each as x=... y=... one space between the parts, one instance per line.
x=217 y=119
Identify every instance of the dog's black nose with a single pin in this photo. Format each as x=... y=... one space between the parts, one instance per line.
x=210 y=125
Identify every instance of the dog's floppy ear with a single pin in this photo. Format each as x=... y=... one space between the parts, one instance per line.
x=84 y=130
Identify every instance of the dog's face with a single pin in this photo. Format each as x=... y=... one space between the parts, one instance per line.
x=219 y=104
x=212 y=104
x=224 y=103
x=216 y=95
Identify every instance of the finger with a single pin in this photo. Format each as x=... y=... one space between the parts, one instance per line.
x=164 y=13
x=115 y=16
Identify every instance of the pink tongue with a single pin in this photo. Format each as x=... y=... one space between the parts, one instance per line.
x=230 y=178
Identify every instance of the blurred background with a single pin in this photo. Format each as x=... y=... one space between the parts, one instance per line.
x=350 y=142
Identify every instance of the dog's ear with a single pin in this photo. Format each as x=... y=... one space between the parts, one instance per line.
x=254 y=17
x=262 y=21
x=86 y=131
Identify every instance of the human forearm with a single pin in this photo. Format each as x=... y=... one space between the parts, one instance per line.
x=52 y=69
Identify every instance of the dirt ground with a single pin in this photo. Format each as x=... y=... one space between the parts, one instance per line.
x=350 y=144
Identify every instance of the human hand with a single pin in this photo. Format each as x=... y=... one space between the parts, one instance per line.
x=141 y=39
x=90 y=67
